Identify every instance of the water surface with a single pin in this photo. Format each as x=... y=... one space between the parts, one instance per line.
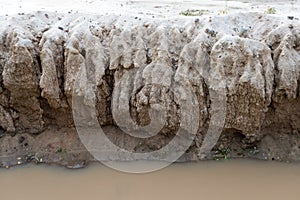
x=225 y=180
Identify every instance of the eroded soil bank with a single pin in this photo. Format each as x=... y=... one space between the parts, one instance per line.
x=132 y=64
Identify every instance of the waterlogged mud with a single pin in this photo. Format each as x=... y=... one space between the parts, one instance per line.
x=231 y=81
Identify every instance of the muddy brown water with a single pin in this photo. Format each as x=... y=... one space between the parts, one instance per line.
x=226 y=180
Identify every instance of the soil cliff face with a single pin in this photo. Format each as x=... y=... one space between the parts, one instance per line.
x=131 y=67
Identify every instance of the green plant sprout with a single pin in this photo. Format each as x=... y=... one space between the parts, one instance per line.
x=222 y=154
x=270 y=10
x=194 y=12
